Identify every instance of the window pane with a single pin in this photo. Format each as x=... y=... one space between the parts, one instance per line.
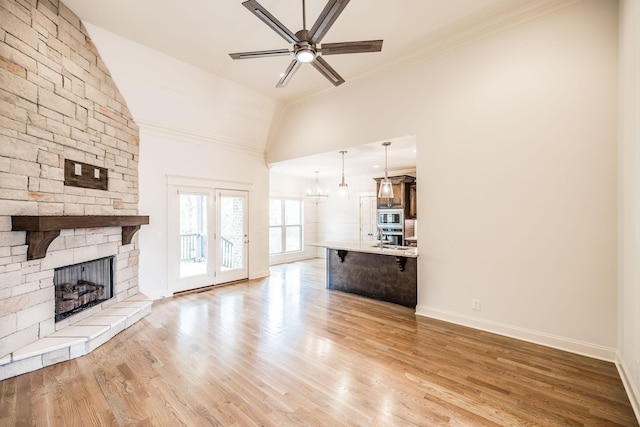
x=294 y=242
x=231 y=232
x=193 y=235
x=275 y=212
x=275 y=240
x=292 y=212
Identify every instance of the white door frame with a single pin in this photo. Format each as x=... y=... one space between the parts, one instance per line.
x=199 y=186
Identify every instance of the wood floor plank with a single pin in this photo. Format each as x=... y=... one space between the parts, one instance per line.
x=284 y=351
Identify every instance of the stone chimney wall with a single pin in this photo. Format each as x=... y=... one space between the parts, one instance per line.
x=57 y=101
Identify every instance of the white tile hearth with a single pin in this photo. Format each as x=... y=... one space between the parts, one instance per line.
x=76 y=340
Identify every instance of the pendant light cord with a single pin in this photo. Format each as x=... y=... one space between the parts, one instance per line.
x=386 y=174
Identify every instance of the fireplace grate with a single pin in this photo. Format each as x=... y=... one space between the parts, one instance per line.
x=80 y=286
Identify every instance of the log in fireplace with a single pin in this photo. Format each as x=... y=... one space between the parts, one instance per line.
x=80 y=286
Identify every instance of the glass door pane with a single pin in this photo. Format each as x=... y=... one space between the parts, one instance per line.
x=193 y=235
x=232 y=232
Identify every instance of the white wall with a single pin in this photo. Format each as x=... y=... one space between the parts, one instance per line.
x=629 y=200
x=516 y=135
x=192 y=124
x=340 y=219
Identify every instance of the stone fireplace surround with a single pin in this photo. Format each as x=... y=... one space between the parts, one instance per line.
x=82 y=333
x=58 y=102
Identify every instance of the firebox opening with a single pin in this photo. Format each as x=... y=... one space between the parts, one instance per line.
x=83 y=285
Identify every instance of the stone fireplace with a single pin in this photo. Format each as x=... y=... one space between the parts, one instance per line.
x=60 y=106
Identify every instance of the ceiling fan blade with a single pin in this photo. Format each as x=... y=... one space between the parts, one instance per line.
x=260 y=54
x=264 y=15
x=288 y=74
x=351 y=47
x=329 y=14
x=326 y=70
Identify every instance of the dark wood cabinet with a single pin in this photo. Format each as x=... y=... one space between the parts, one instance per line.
x=402 y=198
x=413 y=202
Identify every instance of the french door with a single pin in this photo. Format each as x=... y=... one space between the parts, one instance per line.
x=232 y=236
x=210 y=236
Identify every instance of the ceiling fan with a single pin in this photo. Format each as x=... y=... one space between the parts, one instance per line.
x=306 y=48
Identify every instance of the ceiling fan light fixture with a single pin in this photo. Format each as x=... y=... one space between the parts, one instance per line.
x=305 y=52
x=305 y=56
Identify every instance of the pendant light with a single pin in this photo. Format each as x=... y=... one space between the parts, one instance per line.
x=343 y=188
x=317 y=192
x=386 y=187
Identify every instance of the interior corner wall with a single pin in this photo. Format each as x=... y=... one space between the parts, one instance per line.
x=193 y=124
x=516 y=164
x=629 y=201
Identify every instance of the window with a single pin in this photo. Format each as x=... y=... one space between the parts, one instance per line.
x=285 y=226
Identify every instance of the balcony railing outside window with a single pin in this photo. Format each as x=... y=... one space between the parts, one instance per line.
x=193 y=248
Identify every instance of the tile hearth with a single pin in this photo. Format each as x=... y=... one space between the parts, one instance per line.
x=77 y=339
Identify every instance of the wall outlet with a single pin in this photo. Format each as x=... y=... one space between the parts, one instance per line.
x=475 y=304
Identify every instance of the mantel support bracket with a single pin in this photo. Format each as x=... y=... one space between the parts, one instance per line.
x=127 y=233
x=42 y=230
x=38 y=242
x=342 y=254
x=402 y=261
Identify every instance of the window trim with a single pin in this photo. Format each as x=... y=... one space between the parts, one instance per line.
x=283 y=225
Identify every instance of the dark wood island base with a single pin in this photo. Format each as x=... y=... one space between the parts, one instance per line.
x=384 y=277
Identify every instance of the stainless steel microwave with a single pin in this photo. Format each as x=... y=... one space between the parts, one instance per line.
x=390 y=217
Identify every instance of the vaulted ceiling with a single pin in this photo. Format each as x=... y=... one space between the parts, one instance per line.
x=204 y=32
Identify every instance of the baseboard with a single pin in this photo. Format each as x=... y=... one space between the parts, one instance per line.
x=630 y=388
x=536 y=337
x=259 y=274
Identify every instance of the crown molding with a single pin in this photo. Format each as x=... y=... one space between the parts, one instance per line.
x=452 y=38
x=190 y=136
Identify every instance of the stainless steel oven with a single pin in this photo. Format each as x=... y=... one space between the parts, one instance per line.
x=391 y=226
x=392 y=236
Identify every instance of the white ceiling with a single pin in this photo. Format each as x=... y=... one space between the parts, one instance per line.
x=204 y=32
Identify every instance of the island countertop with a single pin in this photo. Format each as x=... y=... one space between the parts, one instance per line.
x=370 y=247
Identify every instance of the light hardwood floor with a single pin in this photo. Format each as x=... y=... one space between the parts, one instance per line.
x=284 y=351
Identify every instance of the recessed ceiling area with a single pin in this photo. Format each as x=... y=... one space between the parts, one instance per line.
x=203 y=33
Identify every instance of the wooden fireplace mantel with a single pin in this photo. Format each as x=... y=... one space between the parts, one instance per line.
x=42 y=230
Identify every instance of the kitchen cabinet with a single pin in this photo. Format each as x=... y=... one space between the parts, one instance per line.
x=402 y=199
x=413 y=202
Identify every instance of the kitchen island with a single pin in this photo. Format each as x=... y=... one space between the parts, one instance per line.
x=364 y=268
